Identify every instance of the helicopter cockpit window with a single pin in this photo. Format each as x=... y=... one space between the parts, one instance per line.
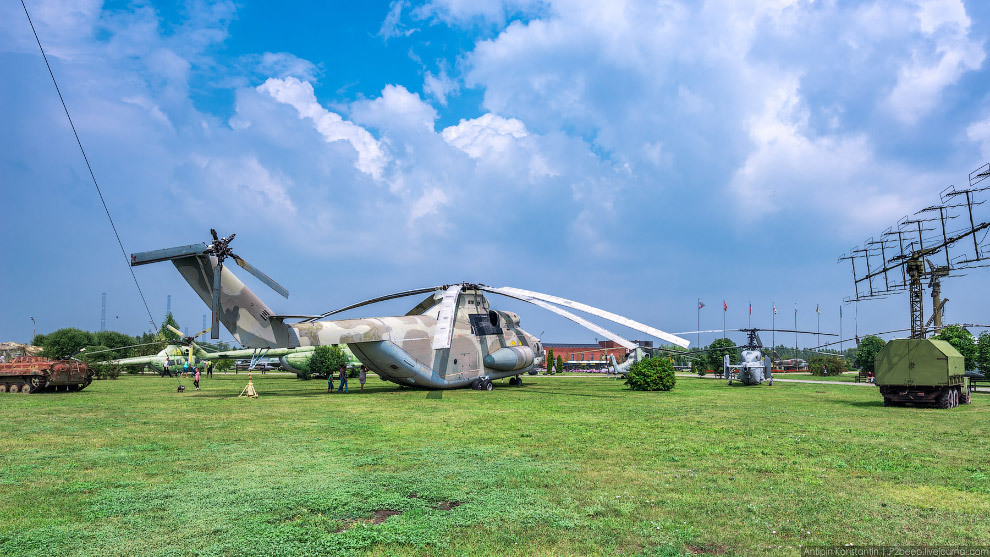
x=481 y=324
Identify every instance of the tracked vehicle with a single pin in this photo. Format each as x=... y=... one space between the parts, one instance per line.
x=32 y=374
x=920 y=371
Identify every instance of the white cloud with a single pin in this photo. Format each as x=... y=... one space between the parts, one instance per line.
x=300 y=95
x=284 y=64
x=439 y=86
x=836 y=176
x=937 y=63
x=487 y=134
x=979 y=132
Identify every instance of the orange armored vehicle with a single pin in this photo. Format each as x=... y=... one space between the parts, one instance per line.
x=32 y=374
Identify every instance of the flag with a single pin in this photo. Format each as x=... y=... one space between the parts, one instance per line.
x=818 y=309
x=751 y=308
x=775 y=309
x=724 y=307
x=840 y=312
x=700 y=303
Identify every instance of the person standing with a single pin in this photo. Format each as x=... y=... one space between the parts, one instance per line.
x=185 y=368
x=363 y=376
x=343 y=379
x=196 y=377
x=209 y=369
x=165 y=368
x=330 y=382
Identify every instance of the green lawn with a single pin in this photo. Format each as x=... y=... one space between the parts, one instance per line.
x=561 y=465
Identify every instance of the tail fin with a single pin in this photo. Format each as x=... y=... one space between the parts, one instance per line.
x=243 y=314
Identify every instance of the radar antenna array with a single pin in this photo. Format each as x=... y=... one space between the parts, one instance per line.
x=912 y=246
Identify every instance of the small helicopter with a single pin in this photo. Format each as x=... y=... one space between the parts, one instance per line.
x=451 y=339
x=175 y=355
x=755 y=367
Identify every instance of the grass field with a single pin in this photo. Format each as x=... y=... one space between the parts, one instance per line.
x=561 y=465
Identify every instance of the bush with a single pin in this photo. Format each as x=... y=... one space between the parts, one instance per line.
x=105 y=371
x=867 y=352
x=326 y=360
x=836 y=365
x=223 y=365
x=651 y=374
x=698 y=366
x=560 y=365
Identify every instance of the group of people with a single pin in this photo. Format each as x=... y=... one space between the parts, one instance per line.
x=192 y=370
x=342 y=375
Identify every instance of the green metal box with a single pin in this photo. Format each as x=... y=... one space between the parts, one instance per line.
x=919 y=362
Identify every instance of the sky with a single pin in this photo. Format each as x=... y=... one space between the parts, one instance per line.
x=634 y=156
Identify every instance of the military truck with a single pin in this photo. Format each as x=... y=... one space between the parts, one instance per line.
x=31 y=374
x=925 y=372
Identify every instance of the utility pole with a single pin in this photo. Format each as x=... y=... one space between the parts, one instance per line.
x=103 y=314
x=795 y=329
x=34 y=329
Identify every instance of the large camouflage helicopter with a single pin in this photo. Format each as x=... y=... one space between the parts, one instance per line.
x=451 y=339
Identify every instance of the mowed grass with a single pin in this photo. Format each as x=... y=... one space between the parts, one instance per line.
x=560 y=465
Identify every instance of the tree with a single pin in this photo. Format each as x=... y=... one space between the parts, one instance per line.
x=167 y=334
x=65 y=342
x=560 y=363
x=698 y=365
x=115 y=342
x=651 y=374
x=325 y=361
x=550 y=361
x=962 y=340
x=869 y=347
x=983 y=352
x=836 y=365
x=717 y=351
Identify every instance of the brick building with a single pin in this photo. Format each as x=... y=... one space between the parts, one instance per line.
x=586 y=352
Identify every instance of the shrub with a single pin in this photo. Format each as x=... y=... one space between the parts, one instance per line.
x=325 y=360
x=651 y=374
x=836 y=365
x=867 y=352
x=560 y=364
x=698 y=366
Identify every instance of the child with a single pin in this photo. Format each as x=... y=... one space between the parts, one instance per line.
x=196 y=378
x=363 y=376
x=330 y=382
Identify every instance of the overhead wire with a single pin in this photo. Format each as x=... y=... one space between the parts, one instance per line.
x=88 y=166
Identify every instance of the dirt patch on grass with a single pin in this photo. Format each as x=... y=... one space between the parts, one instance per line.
x=706 y=549
x=448 y=505
x=377 y=517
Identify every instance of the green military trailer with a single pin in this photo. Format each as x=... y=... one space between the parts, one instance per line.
x=921 y=371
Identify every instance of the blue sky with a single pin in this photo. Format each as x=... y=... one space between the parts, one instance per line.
x=635 y=156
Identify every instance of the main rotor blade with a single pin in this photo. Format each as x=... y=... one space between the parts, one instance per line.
x=375 y=301
x=564 y=313
x=426 y=305
x=517 y=292
x=215 y=324
x=261 y=276
x=154 y=256
x=201 y=332
x=581 y=321
x=708 y=331
x=174 y=330
x=445 y=320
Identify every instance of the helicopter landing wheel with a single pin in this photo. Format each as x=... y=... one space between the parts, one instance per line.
x=476 y=384
x=730 y=382
x=771 y=382
x=487 y=385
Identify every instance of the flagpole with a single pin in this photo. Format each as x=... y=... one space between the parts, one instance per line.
x=795 y=330
x=750 y=323
x=773 y=326
x=699 y=324
x=724 y=308
x=819 y=327
x=843 y=352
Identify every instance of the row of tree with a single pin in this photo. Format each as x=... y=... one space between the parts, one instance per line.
x=111 y=345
